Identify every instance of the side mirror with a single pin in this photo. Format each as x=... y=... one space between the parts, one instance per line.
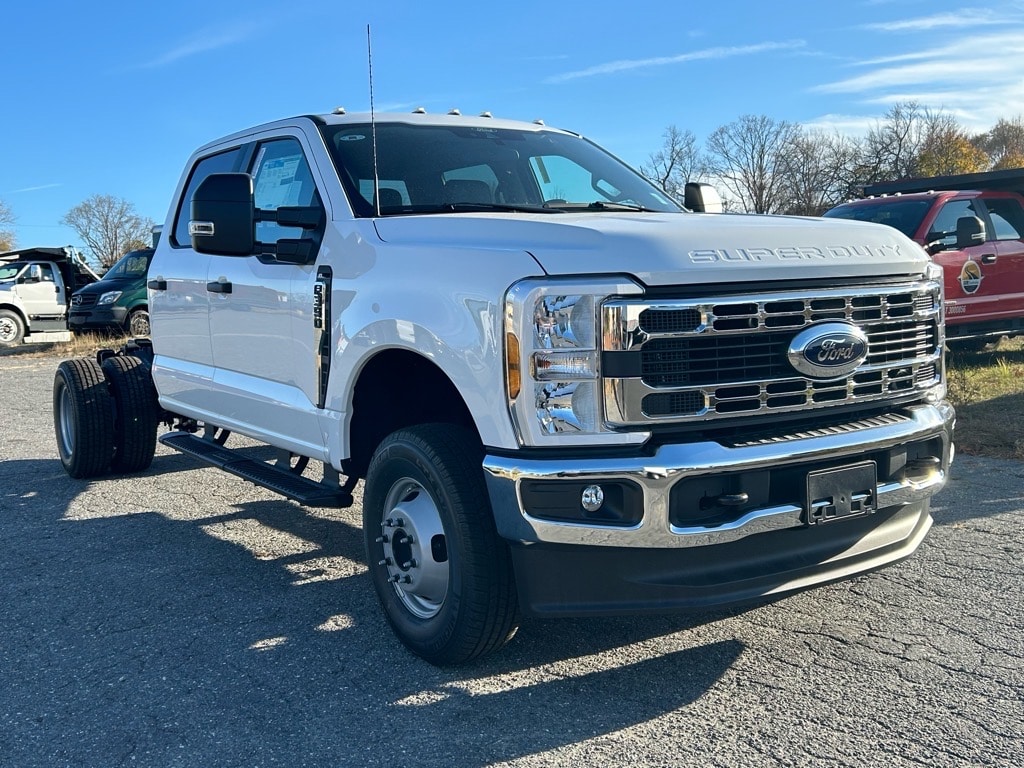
x=35 y=274
x=702 y=198
x=223 y=215
x=970 y=230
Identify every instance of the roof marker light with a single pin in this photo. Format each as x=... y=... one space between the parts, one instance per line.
x=338 y=111
x=486 y=114
x=454 y=112
x=419 y=111
x=538 y=121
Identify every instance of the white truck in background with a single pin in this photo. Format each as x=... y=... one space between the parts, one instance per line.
x=566 y=394
x=35 y=290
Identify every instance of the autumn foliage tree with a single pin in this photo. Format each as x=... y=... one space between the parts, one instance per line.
x=109 y=227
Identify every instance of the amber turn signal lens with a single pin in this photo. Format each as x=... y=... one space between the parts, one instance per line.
x=513 y=377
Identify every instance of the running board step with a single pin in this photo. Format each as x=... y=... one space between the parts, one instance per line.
x=277 y=479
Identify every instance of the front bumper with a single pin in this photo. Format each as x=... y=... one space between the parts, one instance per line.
x=678 y=551
x=97 y=318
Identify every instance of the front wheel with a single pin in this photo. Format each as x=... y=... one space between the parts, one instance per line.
x=12 y=329
x=138 y=323
x=442 y=573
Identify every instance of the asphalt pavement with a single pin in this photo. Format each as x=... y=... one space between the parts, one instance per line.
x=183 y=617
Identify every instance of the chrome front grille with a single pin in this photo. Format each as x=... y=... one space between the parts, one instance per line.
x=711 y=358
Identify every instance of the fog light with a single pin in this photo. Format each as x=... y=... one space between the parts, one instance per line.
x=592 y=498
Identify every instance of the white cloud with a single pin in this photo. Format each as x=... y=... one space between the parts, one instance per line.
x=977 y=89
x=206 y=40
x=708 y=53
x=972 y=17
x=33 y=189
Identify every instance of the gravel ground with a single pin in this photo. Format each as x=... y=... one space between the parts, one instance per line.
x=185 y=617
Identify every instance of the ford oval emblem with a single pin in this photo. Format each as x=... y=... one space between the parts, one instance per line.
x=828 y=350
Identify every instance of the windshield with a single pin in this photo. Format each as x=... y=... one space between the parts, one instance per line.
x=904 y=215
x=132 y=264
x=444 y=169
x=11 y=271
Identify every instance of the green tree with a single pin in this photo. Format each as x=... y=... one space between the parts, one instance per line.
x=109 y=227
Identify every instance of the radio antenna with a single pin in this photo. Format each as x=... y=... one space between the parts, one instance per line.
x=373 y=126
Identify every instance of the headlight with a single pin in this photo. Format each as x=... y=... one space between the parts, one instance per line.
x=109 y=297
x=553 y=360
x=933 y=271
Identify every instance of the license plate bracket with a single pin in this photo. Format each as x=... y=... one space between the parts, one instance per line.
x=841 y=493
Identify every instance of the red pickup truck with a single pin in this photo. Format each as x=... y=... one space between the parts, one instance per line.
x=977 y=236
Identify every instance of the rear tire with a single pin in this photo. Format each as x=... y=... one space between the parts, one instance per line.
x=12 y=329
x=442 y=574
x=83 y=418
x=136 y=413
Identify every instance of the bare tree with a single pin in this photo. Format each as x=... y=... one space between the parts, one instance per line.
x=1004 y=143
x=749 y=157
x=7 y=217
x=678 y=161
x=109 y=227
x=820 y=172
x=892 y=147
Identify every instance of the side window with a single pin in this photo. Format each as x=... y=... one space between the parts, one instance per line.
x=47 y=275
x=223 y=162
x=943 y=229
x=1007 y=218
x=281 y=177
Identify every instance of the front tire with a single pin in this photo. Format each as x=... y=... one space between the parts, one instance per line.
x=83 y=418
x=138 y=324
x=12 y=328
x=442 y=574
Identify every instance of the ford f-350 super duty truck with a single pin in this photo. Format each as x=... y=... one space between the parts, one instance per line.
x=565 y=393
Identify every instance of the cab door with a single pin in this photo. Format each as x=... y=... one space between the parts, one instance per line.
x=40 y=292
x=261 y=311
x=971 y=291
x=1006 y=233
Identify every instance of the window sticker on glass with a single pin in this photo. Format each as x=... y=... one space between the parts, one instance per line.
x=275 y=183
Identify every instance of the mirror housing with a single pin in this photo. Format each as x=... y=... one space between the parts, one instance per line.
x=35 y=274
x=223 y=215
x=970 y=230
x=702 y=198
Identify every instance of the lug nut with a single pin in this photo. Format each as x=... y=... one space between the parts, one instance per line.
x=386 y=561
x=381 y=540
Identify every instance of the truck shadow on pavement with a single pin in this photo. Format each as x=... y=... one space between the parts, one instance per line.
x=146 y=621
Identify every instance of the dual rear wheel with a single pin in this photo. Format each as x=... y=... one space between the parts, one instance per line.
x=105 y=417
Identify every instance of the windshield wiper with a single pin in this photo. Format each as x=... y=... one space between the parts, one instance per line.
x=601 y=205
x=468 y=208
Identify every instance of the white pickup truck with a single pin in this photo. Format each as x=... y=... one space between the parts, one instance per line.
x=565 y=393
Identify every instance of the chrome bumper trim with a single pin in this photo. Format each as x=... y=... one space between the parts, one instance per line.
x=657 y=474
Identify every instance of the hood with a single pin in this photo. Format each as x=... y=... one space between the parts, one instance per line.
x=657 y=247
x=111 y=284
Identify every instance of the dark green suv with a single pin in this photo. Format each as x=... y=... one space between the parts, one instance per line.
x=118 y=301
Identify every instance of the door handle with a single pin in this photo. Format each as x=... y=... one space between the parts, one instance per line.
x=157 y=285
x=988 y=258
x=219 y=286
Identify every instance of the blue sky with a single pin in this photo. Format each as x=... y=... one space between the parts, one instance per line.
x=112 y=97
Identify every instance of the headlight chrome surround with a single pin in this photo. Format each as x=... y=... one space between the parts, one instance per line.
x=552 y=329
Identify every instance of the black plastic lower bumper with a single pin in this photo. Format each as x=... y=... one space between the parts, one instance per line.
x=569 y=580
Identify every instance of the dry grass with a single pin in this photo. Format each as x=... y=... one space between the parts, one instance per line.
x=986 y=387
x=81 y=345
